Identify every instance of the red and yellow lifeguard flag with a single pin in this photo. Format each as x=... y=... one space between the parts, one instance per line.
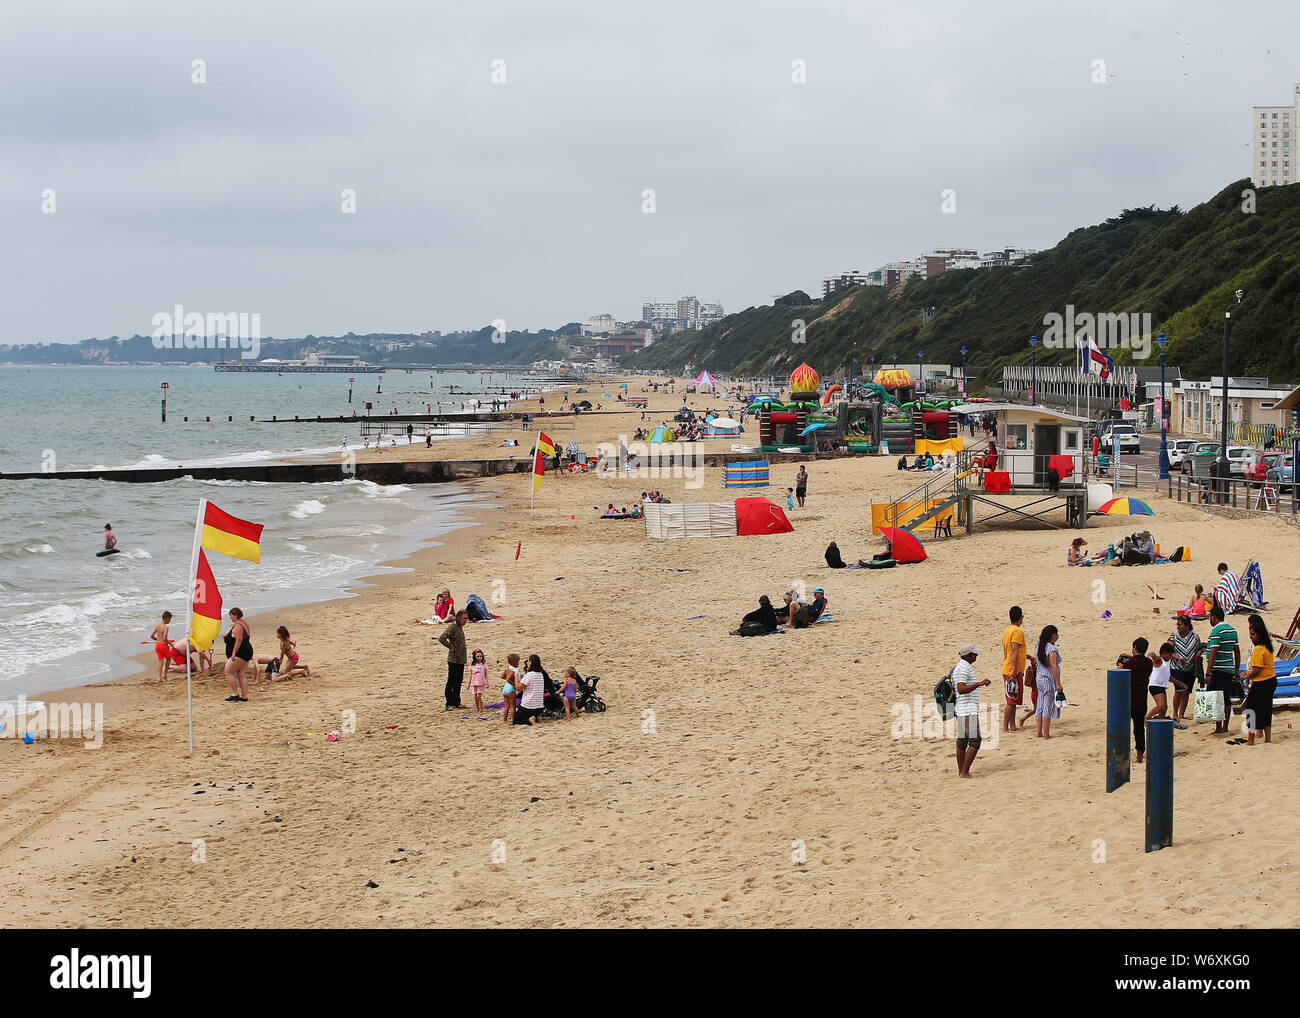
x=539 y=468
x=205 y=606
x=545 y=447
x=230 y=535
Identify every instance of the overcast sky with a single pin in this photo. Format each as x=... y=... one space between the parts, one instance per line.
x=522 y=200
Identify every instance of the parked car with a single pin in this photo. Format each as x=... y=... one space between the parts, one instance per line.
x=1240 y=458
x=1278 y=467
x=1127 y=435
x=1178 y=450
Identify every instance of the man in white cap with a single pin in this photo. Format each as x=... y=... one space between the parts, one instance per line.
x=968 y=707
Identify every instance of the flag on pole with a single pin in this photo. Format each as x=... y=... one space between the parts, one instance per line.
x=539 y=468
x=217 y=531
x=545 y=447
x=1098 y=363
x=230 y=535
x=205 y=606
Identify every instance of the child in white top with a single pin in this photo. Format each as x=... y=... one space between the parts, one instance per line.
x=1159 y=684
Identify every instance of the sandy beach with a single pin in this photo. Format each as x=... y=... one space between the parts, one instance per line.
x=732 y=782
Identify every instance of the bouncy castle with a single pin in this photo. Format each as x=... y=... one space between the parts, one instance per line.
x=782 y=425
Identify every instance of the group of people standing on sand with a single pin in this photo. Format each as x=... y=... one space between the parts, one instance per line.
x=1036 y=666
x=240 y=659
x=523 y=688
x=1167 y=676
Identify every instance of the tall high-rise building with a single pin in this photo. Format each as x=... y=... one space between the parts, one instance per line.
x=1272 y=128
x=684 y=313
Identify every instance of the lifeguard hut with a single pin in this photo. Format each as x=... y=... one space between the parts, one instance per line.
x=1038 y=470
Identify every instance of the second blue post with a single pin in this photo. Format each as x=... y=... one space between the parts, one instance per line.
x=1160 y=784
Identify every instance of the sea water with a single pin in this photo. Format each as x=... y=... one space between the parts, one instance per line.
x=68 y=617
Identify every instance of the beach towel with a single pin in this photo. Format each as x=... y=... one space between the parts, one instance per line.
x=1228 y=592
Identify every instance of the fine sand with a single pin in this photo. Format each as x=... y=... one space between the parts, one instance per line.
x=732 y=782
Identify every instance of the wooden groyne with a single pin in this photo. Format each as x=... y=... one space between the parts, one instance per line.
x=393 y=471
x=380 y=471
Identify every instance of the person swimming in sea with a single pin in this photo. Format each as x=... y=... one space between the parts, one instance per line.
x=110 y=540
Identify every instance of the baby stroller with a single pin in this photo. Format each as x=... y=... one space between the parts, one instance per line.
x=586 y=700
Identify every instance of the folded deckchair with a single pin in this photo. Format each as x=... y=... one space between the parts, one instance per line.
x=1252 y=587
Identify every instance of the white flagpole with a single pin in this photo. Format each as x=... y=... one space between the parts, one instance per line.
x=533 y=476
x=189 y=618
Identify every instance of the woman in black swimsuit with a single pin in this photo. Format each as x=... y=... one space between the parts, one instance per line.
x=239 y=651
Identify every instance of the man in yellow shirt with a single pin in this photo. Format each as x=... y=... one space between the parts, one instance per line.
x=1013 y=667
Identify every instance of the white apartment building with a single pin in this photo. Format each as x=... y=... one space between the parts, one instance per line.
x=598 y=324
x=1272 y=128
x=684 y=313
x=653 y=311
x=1007 y=256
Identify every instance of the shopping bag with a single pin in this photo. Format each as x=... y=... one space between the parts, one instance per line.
x=1209 y=706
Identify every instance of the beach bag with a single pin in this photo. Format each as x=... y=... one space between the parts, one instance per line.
x=1209 y=706
x=1177 y=556
x=751 y=628
x=945 y=697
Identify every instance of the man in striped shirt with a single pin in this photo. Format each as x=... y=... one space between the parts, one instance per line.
x=1228 y=592
x=967 y=688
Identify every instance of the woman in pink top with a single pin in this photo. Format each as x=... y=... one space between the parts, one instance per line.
x=478 y=678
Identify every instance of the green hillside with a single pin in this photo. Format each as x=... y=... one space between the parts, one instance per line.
x=1180 y=267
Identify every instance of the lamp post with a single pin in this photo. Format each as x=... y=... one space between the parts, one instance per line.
x=965 y=389
x=1033 y=385
x=1222 y=464
x=920 y=370
x=1164 y=413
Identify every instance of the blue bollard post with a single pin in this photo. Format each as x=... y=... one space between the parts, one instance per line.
x=1160 y=784
x=1118 y=740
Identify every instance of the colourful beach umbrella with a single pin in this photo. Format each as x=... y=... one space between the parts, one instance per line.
x=904 y=546
x=1126 y=507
